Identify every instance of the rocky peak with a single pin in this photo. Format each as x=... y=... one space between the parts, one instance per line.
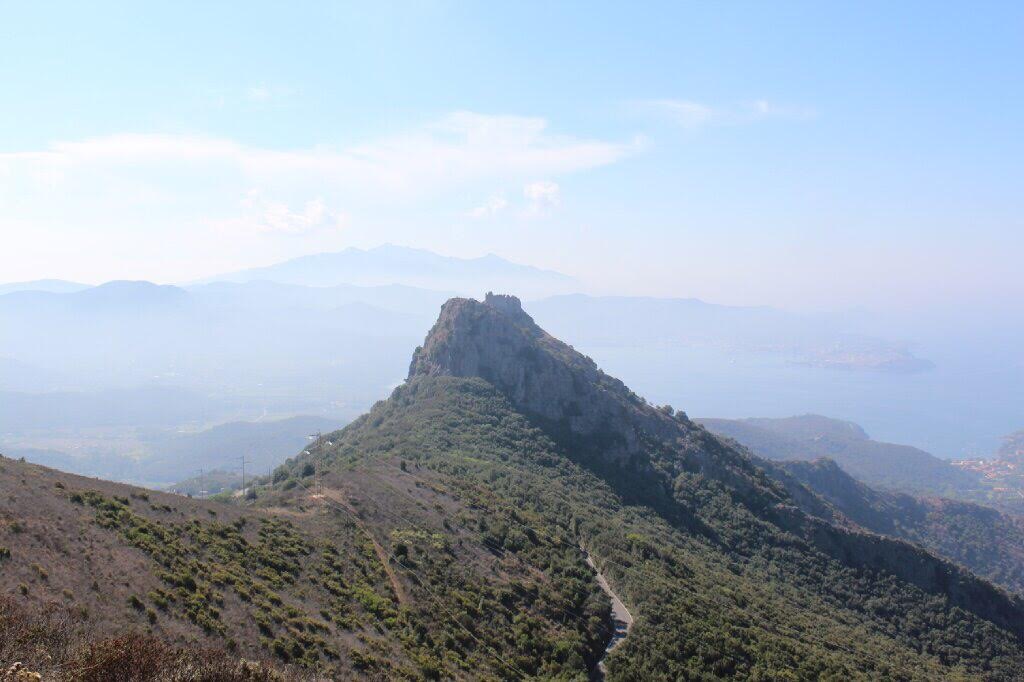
x=563 y=389
x=506 y=303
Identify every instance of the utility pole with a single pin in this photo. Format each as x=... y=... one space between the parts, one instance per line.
x=243 y=478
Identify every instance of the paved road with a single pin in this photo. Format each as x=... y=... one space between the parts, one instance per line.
x=621 y=617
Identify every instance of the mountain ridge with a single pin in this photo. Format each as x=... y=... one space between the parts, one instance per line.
x=445 y=534
x=390 y=264
x=706 y=489
x=879 y=464
x=584 y=408
x=985 y=540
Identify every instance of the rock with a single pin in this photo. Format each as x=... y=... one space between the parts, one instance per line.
x=497 y=341
x=19 y=673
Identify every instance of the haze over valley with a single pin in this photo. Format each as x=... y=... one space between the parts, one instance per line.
x=102 y=379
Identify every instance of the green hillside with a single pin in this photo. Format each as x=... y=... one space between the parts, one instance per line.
x=987 y=541
x=444 y=535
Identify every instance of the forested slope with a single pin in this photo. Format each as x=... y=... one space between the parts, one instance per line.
x=440 y=536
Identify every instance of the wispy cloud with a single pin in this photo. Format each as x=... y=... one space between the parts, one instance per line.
x=459 y=148
x=186 y=202
x=259 y=213
x=264 y=93
x=491 y=207
x=541 y=197
x=691 y=115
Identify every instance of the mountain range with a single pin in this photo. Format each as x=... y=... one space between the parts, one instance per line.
x=455 y=531
x=987 y=541
x=83 y=369
x=389 y=264
x=879 y=464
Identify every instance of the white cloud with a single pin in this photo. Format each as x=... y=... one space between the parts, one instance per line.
x=264 y=215
x=541 y=196
x=692 y=115
x=134 y=199
x=462 y=147
x=491 y=207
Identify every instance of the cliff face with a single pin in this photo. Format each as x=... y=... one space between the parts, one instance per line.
x=608 y=427
x=497 y=341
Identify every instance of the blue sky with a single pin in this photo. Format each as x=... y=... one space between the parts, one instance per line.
x=806 y=155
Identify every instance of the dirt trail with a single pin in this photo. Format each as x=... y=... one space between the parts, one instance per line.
x=621 y=618
x=396 y=585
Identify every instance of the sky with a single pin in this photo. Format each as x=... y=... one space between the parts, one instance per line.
x=805 y=155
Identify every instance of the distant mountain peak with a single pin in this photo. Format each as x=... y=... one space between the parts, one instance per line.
x=392 y=264
x=52 y=286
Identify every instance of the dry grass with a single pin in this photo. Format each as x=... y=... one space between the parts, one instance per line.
x=47 y=641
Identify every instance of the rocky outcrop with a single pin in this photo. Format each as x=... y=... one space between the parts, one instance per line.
x=497 y=341
x=565 y=392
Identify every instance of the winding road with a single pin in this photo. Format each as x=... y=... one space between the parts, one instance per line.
x=621 y=617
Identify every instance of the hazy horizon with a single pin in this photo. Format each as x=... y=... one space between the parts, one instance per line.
x=882 y=174
x=853 y=220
